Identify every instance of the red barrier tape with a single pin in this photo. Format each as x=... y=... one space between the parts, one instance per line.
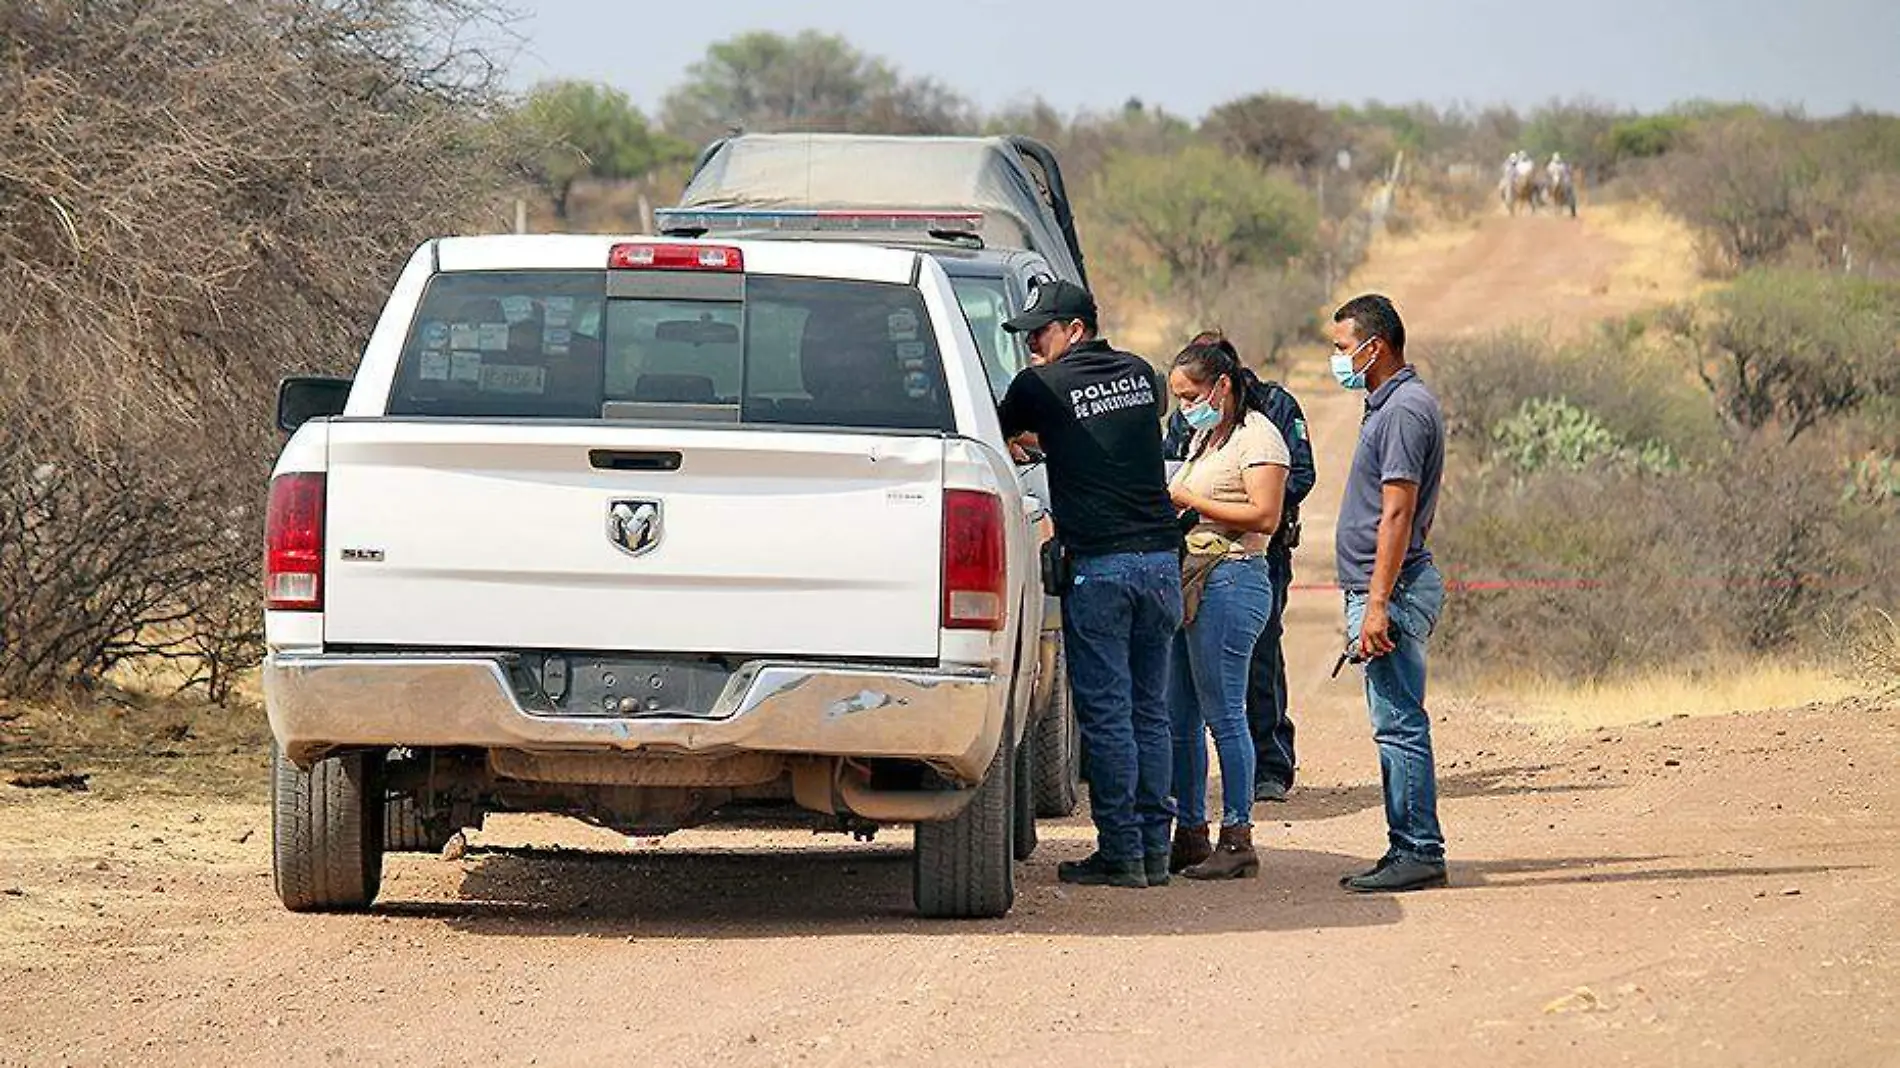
x=1495 y=585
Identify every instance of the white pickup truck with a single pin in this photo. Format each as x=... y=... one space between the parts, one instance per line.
x=649 y=532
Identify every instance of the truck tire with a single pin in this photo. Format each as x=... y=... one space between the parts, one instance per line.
x=327 y=831
x=964 y=868
x=405 y=831
x=1023 y=838
x=1057 y=751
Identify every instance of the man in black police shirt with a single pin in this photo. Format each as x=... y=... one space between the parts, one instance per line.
x=1096 y=412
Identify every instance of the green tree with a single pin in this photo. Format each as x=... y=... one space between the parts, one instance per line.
x=1276 y=131
x=1579 y=129
x=1200 y=216
x=764 y=81
x=1791 y=349
x=574 y=130
x=1645 y=137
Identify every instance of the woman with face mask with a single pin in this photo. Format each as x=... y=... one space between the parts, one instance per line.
x=1230 y=489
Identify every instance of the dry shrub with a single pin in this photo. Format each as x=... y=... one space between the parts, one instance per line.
x=1610 y=571
x=1745 y=186
x=1612 y=558
x=195 y=199
x=1639 y=390
x=1764 y=189
x=1265 y=312
x=1456 y=197
x=1872 y=648
x=1551 y=538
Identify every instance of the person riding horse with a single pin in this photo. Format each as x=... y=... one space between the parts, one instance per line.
x=1519 y=184
x=1560 y=186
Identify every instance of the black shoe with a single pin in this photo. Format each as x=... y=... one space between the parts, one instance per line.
x=1400 y=874
x=1097 y=870
x=1345 y=881
x=1270 y=790
x=1156 y=867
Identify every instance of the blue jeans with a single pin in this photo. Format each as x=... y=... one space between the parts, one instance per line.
x=1211 y=656
x=1267 y=715
x=1395 y=694
x=1118 y=625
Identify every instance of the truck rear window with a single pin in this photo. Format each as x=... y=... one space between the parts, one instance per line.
x=790 y=351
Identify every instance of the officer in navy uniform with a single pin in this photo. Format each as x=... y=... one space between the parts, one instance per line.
x=1267 y=716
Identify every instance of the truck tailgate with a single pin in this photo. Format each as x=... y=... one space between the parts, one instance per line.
x=448 y=534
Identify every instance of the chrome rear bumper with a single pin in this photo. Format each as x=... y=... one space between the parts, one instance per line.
x=317 y=702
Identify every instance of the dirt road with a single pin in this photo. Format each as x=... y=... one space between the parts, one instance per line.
x=1721 y=890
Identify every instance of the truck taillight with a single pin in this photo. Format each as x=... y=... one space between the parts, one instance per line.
x=293 y=544
x=648 y=256
x=974 y=569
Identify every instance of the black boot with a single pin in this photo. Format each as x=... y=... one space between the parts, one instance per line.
x=1397 y=875
x=1097 y=870
x=1156 y=865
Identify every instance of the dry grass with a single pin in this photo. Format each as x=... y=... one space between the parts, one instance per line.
x=129 y=744
x=1874 y=651
x=1663 y=262
x=1425 y=238
x=1667 y=693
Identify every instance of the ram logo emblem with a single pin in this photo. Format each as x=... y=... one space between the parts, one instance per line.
x=634 y=526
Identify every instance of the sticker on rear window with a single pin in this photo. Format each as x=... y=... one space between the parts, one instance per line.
x=465 y=367
x=917 y=384
x=902 y=324
x=517 y=309
x=555 y=339
x=464 y=336
x=494 y=337
x=513 y=378
x=559 y=311
x=912 y=353
x=435 y=366
x=435 y=334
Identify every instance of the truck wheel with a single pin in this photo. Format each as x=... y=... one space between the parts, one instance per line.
x=1023 y=811
x=327 y=831
x=405 y=831
x=1057 y=750
x=964 y=868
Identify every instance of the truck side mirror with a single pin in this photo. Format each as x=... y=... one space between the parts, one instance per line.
x=303 y=398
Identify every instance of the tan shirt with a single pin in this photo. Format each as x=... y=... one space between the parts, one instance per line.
x=1218 y=474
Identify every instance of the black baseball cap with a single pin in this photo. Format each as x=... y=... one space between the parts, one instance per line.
x=1050 y=302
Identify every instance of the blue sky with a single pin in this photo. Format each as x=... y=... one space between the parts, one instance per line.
x=1825 y=55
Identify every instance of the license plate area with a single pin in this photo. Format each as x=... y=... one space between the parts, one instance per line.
x=588 y=684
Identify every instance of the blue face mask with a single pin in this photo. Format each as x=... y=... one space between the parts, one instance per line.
x=1345 y=373
x=1201 y=415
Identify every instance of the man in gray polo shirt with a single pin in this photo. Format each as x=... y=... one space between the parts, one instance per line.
x=1393 y=590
